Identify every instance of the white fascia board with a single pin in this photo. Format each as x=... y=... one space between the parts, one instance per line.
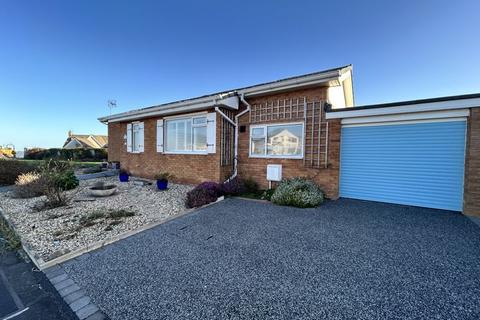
x=408 y=117
x=331 y=78
x=191 y=106
x=422 y=107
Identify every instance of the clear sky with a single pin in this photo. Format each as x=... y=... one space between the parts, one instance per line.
x=60 y=61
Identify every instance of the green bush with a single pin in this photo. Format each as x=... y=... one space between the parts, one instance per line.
x=67 y=154
x=251 y=186
x=58 y=177
x=298 y=192
x=267 y=194
x=60 y=174
x=11 y=169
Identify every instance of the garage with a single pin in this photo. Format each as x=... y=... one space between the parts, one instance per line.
x=422 y=153
x=420 y=163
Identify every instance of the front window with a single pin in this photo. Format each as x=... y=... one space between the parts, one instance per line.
x=136 y=138
x=186 y=134
x=281 y=141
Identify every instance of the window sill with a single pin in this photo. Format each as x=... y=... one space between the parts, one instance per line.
x=187 y=152
x=276 y=157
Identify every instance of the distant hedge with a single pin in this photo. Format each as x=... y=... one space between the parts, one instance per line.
x=68 y=154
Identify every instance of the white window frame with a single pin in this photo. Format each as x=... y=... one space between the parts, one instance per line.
x=185 y=117
x=265 y=128
x=135 y=148
x=134 y=133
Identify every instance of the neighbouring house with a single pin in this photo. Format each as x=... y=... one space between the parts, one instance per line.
x=409 y=152
x=85 y=141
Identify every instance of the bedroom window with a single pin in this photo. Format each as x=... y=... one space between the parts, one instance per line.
x=186 y=135
x=277 y=141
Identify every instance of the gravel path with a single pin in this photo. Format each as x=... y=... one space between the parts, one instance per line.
x=54 y=232
x=240 y=259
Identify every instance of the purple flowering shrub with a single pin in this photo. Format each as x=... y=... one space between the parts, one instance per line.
x=233 y=187
x=211 y=187
x=203 y=194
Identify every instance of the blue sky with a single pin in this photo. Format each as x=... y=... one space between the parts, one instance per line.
x=60 y=61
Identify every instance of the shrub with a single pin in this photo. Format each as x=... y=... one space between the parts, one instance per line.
x=233 y=187
x=164 y=176
x=58 y=177
x=11 y=169
x=67 y=180
x=212 y=187
x=29 y=185
x=203 y=194
x=250 y=185
x=267 y=194
x=298 y=192
x=67 y=154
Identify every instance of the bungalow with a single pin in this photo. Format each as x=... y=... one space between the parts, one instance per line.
x=85 y=141
x=308 y=126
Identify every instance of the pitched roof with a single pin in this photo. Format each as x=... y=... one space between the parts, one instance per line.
x=325 y=76
x=88 y=141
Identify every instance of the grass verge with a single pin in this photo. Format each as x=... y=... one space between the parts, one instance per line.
x=10 y=240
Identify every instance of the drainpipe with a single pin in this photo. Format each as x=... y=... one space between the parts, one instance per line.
x=235 y=159
x=235 y=124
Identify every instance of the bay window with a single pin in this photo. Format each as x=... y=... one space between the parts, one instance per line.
x=277 y=140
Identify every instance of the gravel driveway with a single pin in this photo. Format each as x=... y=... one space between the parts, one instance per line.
x=241 y=259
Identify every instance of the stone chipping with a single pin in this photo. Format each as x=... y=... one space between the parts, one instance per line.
x=55 y=232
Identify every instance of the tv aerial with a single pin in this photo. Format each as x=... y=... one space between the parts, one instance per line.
x=111 y=104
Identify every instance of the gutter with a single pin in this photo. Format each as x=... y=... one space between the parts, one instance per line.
x=329 y=77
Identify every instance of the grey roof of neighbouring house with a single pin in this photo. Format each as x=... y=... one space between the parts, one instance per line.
x=89 y=140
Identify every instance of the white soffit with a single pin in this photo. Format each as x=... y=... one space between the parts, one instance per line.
x=412 y=108
x=460 y=113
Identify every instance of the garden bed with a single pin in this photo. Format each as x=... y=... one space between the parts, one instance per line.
x=87 y=220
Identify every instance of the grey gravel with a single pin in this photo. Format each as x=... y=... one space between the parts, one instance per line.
x=52 y=233
x=241 y=259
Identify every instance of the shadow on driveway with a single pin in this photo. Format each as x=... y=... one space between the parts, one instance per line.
x=240 y=259
x=25 y=292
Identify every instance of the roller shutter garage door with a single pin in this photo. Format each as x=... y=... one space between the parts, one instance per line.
x=420 y=164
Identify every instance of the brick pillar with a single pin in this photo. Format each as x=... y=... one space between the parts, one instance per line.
x=471 y=197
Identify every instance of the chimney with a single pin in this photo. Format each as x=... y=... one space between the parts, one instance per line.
x=69 y=133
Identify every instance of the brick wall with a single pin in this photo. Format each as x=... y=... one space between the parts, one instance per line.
x=255 y=168
x=186 y=168
x=198 y=168
x=471 y=205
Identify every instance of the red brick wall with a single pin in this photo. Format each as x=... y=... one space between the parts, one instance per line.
x=256 y=168
x=471 y=204
x=198 y=168
x=186 y=168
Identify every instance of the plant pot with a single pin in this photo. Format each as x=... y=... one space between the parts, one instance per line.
x=162 y=184
x=123 y=177
x=104 y=191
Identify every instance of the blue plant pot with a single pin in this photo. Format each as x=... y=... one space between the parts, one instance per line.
x=162 y=184
x=123 y=177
